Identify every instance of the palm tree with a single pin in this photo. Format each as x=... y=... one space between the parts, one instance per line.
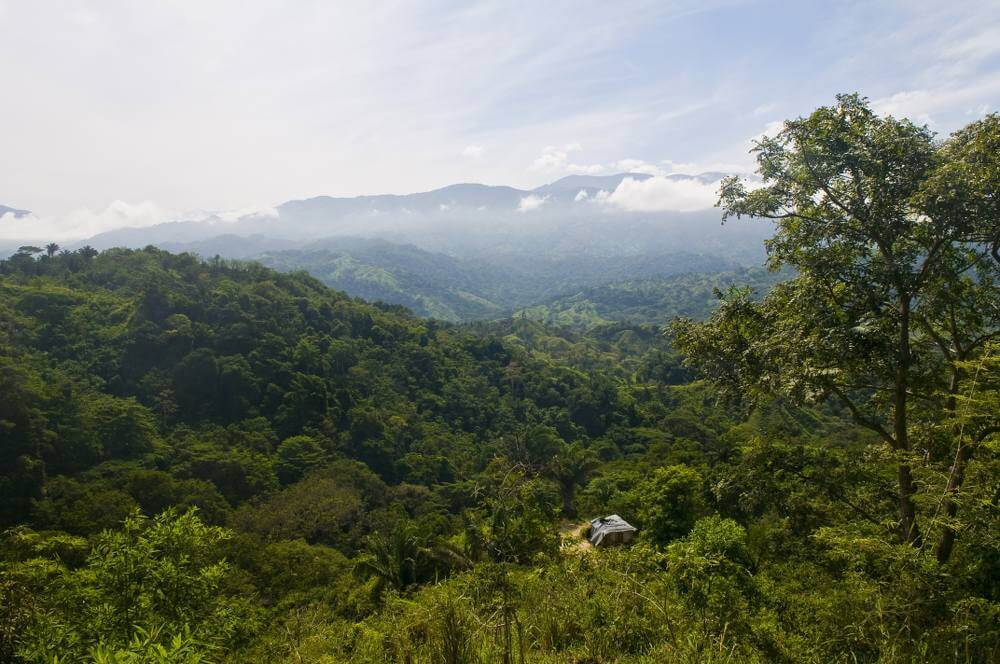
x=391 y=560
x=571 y=468
x=406 y=557
x=51 y=248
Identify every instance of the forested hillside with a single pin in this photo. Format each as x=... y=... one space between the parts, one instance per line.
x=213 y=461
x=650 y=300
x=429 y=284
x=455 y=289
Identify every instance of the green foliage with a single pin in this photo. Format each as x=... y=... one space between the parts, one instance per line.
x=654 y=300
x=668 y=502
x=296 y=456
x=713 y=573
x=149 y=648
x=895 y=284
x=374 y=487
x=454 y=289
x=329 y=506
x=429 y=284
x=120 y=428
x=518 y=516
x=151 y=589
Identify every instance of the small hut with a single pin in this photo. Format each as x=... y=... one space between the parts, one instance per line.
x=611 y=530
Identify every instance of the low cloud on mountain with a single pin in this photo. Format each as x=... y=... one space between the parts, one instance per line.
x=84 y=222
x=531 y=202
x=661 y=194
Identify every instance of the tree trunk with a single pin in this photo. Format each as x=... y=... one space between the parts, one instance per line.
x=953 y=382
x=568 y=494
x=907 y=513
x=956 y=476
x=946 y=543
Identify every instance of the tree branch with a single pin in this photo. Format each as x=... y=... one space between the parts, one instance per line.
x=860 y=418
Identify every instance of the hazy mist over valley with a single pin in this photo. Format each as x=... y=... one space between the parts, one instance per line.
x=473 y=251
x=499 y=332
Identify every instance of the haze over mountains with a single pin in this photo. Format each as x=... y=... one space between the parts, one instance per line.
x=477 y=212
x=14 y=212
x=473 y=251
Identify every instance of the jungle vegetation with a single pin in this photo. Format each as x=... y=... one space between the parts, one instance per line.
x=211 y=461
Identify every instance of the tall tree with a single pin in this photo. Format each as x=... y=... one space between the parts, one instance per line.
x=890 y=234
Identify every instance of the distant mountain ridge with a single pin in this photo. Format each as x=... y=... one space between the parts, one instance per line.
x=463 y=196
x=428 y=219
x=4 y=210
x=469 y=251
x=472 y=221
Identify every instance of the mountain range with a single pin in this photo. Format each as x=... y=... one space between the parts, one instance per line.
x=471 y=251
x=5 y=210
x=460 y=219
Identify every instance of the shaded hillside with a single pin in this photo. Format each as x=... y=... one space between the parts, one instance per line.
x=252 y=450
x=430 y=284
x=437 y=285
x=654 y=300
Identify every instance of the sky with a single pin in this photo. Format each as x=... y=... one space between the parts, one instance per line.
x=118 y=112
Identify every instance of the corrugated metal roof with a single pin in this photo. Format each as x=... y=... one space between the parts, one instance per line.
x=602 y=526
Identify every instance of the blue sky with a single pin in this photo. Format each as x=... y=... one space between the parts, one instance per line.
x=158 y=108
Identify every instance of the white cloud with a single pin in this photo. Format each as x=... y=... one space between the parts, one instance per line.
x=765 y=108
x=686 y=168
x=965 y=47
x=586 y=169
x=555 y=159
x=349 y=99
x=912 y=104
x=926 y=104
x=531 y=202
x=636 y=166
x=83 y=17
x=83 y=223
x=473 y=151
x=551 y=159
x=581 y=195
x=770 y=130
x=251 y=211
x=253 y=68
x=660 y=193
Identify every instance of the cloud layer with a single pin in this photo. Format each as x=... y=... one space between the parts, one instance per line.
x=531 y=202
x=84 y=223
x=210 y=105
x=659 y=193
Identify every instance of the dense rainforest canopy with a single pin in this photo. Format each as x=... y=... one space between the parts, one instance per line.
x=210 y=461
